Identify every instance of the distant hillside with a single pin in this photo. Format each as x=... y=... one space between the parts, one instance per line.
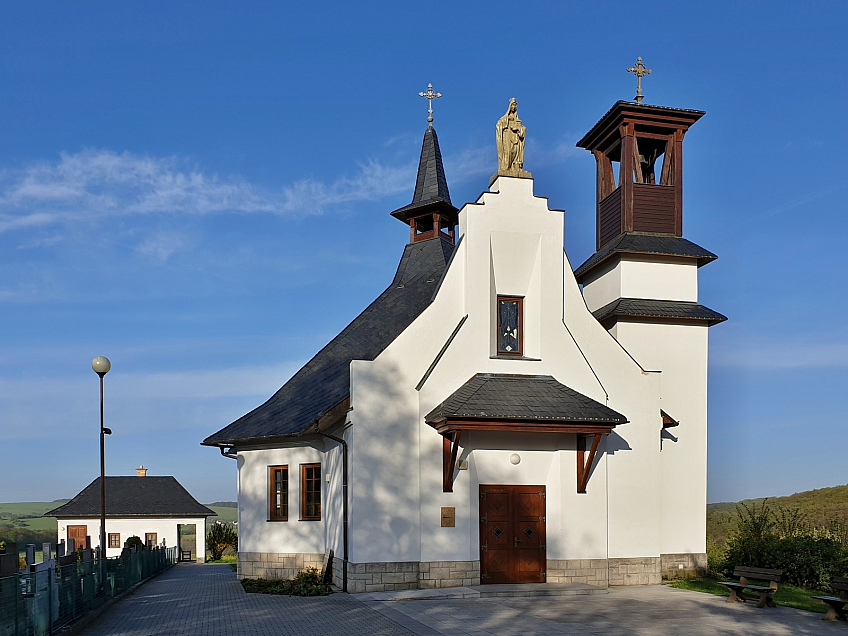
x=223 y=504
x=819 y=506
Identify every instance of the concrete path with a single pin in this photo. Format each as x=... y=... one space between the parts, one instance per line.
x=207 y=600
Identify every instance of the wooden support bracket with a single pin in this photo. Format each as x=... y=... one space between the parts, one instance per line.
x=584 y=465
x=450 y=446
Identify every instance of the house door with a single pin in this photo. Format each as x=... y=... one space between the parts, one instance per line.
x=512 y=534
x=78 y=534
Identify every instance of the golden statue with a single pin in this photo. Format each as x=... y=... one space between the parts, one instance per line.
x=509 y=136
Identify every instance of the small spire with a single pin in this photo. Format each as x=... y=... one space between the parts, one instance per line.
x=640 y=70
x=430 y=96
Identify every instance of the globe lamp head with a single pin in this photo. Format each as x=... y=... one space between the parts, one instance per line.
x=101 y=365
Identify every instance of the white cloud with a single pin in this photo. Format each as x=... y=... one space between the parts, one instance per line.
x=93 y=184
x=161 y=246
x=782 y=356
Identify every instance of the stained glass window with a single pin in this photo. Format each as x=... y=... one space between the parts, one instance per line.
x=509 y=325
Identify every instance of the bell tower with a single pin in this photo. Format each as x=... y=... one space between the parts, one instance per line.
x=635 y=194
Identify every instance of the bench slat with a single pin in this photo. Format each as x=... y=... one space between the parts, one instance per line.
x=758 y=573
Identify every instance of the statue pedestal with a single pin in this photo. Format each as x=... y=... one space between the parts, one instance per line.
x=517 y=172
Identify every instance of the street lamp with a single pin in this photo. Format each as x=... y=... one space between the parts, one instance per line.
x=101 y=365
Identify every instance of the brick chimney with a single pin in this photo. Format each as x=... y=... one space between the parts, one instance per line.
x=141 y=471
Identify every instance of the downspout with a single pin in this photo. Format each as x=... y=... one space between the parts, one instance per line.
x=344 y=501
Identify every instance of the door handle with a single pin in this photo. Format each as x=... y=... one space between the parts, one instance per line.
x=516 y=542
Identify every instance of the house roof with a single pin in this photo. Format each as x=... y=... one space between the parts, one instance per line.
x=134 y=497
x=667 y=309
x=491 y=396
x=324 y=381
x=431 y=186
x=654 y=244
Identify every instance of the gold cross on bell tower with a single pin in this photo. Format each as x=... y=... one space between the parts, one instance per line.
x=430 y=95
x=640 y=70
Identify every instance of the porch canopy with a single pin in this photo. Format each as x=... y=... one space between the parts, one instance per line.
x=521 y=403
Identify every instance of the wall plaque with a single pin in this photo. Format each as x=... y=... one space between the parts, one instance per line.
x=448 y=517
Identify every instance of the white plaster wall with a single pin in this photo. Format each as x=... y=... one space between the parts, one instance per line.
x=681 y=351
x=626 y=277
x=397 y=469
x=164 y=527
x=256 y=532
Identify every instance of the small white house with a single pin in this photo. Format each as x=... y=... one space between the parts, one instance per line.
x=495 y=415
x=157 y=510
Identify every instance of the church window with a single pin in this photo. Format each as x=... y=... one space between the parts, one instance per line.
x=310 y=492
x=278 y=486
x=510 y=324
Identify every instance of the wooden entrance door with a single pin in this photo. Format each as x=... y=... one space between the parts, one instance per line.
x=512 y=534
x=78 y=534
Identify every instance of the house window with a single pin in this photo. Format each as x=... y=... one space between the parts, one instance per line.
x=150 y=539
x=278 y=493
x=510 y=325
x=310 y=492
x=114 y=540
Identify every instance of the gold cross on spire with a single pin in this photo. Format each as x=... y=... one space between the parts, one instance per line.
x=640 y=70
x=430 y=95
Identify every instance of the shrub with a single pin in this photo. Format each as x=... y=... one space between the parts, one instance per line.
x=220 y=537
x=132 y=542
x=306 y=583
x=786 y=540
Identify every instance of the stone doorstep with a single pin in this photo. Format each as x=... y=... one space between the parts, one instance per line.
x=487 y=591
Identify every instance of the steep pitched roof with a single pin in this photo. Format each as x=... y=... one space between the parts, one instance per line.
x=431 y=186
x=658 y=309
x=324 y=381
x=134 y=497
x=654 y=244
x=492 y=396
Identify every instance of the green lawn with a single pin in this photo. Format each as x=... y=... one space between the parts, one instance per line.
x=787 y=595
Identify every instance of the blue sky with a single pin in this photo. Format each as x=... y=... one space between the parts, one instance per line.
x=201 y=192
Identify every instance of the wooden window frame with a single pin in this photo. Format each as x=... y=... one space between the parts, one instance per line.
x=303 y=515
x=117 y=536
x=520 y=351
x=284 y=507
x=155 y=542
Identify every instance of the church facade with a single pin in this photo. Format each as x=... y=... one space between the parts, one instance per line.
x=496 y=415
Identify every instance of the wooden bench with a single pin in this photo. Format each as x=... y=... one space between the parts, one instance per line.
x=836 y=604
x=766 y=594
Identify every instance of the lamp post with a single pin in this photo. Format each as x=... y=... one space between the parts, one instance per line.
x=101 y=365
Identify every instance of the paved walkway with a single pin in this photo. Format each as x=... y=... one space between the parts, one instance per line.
x=207 y=600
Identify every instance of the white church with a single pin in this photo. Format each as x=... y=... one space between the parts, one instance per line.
x=497 y=415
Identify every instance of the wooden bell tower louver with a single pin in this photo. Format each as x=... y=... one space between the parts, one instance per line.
x=634 y=194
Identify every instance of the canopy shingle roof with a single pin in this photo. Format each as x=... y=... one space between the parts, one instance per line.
x=324 y=381
x=134 y=497
x=522 y=397
x=654 y=244
x=668 y=309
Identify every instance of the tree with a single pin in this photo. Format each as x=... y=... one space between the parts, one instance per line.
x=220 y=537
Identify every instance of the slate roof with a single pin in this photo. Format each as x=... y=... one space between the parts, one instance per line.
x=431 y=186
x=525 y=397
x=134 y=497
x=645 y=308
x=324 y=381
x=636 y=243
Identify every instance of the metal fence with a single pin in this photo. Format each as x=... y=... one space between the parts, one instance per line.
x=43 y=601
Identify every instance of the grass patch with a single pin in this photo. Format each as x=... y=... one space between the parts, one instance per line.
x=787 y=595
x=306 y=583
x=226 y=558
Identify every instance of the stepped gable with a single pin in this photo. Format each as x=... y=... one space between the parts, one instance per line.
x=324 y=382
x=134 y=497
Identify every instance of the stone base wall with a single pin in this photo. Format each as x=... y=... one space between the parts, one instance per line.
x=382 y=577
x=684 y=566
x=591 y=571
x=276 y=565
x=433 y=574
x=635 y=571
